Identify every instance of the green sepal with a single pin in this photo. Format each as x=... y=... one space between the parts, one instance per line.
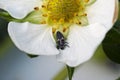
x=70 y=71
x=32 y=56
x=33 y=17
x=111 y=43
x=5 y=15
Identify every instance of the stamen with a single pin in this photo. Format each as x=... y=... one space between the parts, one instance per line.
x=53 y=30
x=62 y=13
x=85 y=14
x=36 y=8
x=44 y=15
x=43 y=6
x=75 y=14
x=79 y=22
x=43 y=22
x=63 y=10
x=86 y=1
x=64 y=29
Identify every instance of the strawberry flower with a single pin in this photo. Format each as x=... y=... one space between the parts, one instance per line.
x=82 y=24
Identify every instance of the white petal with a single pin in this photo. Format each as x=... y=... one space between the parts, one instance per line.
x=33 y=39
x=102 y=11
x=19 y=8
x=97 y=69
x=82 y=42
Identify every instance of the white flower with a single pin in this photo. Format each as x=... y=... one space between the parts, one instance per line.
x=83 y=26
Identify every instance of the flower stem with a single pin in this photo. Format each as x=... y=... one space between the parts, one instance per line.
x=5 y=15
x=70 y=71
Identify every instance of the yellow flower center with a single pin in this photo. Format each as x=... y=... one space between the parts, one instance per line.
x=62 y=10
x=61 y=14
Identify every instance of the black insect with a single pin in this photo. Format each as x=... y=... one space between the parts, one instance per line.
x=61 y=43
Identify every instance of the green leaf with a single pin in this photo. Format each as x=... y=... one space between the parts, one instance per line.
x=117 y=26
x=118 y=78
x=70 y=72
x=32 y=56
x=111 y=44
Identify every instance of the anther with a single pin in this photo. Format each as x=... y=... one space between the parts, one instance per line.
x=44 y=15
x=81 y=8
x=86 y=1
x=85 y=14
x=64 y=29
x=53 y=30
x=79 y=23
x=43 y=6
x=75 y=14
x=36 y=8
